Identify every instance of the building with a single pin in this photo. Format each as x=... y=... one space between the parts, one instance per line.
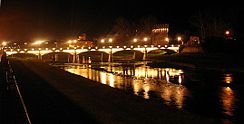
x=84 y=42
x=160 y=34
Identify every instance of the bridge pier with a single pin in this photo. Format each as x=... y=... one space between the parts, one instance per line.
x=78 y=59
x=134 y=55
x=74 y=57
x=145 y=54
x=101 y=57
x=55 y=57
x=68 y=58
x=39 y=56
x=83 y=59
x=110 y=56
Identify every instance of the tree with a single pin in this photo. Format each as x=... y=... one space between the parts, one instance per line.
x=210 y=22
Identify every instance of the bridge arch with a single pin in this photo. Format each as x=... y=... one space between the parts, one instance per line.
x=23 y=55
x=93 y=56
x=61 y=57
x=128 y=55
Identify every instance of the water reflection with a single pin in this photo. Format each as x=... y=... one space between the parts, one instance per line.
x=169 y=85
x=228 y=78
x=143 y=80
x=227 y=100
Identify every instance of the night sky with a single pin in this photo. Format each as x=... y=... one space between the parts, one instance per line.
x=28 y=20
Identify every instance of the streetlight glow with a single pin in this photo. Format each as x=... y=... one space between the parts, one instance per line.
x=227 y=33
x=110 y=40
x=38 y=42
x=179 y=38
x=4 y=43
x=145 y=39
x=134 y=40
x=102 y=41
x=167 y=39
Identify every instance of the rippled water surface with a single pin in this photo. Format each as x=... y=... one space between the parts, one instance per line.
x=207 y=93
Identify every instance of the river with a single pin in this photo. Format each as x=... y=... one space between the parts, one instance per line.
x=213 y=94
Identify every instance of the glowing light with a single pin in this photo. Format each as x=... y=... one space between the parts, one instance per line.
x=111 y=80
x=227 y=32
x=70 y=41
x=179 y=38
x=110 y=40
x=145 y=39
x=146 y=88
x=167 y=39
x=38 y=42
x=228 y=78
x=228 y=100
x=180 y=79
x=134 y=40
x=103 y=78
x=102 y=41
x=4 y=43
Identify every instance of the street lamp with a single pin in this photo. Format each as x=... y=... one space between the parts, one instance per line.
x=102 y=40
x=145 y=39
x=179 y=38
x=227 y=33
x=167 y=39
x=4 y=43
x=110 y=40
x=134 y=40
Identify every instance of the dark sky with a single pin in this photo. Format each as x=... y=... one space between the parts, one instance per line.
x=28 y=20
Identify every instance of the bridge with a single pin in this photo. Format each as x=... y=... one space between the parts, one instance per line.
x=74 y=51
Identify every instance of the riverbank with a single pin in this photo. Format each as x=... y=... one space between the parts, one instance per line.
x=54 y=95
x=203 y=61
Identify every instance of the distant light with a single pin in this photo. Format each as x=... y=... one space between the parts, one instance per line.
x=70 y=41
x=38 y=42
x=110 y=40
x=145 y=39
x=179 y=38
x=75 y=41
x=134 y=40
x=167 y=39
x=227 y=32
x=4 y=43
x=102 y=41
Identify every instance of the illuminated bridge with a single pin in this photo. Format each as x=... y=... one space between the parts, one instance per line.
x=110 y=50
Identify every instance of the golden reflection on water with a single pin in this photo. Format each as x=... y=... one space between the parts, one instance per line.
x=228 y=78
x=227 y=98
x=142 y=81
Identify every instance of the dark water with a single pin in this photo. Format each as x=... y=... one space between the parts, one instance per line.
x=211 y=94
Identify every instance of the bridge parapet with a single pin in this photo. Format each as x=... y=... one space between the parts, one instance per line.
x=108 y=50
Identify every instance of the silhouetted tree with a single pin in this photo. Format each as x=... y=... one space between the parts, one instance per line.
x=210 y=23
